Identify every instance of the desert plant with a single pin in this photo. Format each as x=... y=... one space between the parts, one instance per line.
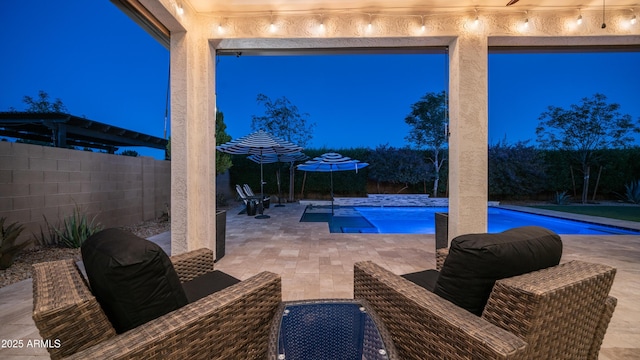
x=47 y=236
x=76 y=229
x=8 y=247
x=561 y=198
x=632 y=192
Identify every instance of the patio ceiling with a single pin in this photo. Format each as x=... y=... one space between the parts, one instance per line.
x=232 y=6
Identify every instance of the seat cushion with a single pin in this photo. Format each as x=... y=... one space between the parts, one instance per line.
x=427 y=278
x=132 y=278
x=207 y=284
x=476 y=261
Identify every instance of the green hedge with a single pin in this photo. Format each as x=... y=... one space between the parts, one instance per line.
x=515 y=172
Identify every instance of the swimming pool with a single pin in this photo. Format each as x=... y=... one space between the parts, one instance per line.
x=420 y=220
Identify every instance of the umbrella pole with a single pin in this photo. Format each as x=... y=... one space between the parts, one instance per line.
x=279 y=188
x=331 y=172
x=262 y=215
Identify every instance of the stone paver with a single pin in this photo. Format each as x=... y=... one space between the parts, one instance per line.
x=314 y=263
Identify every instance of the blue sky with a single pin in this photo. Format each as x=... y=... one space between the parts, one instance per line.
x=105 y=67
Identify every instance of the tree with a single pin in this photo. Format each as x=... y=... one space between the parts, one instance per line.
x=428 y=120
x=584 y=128
x=41 y=104
x=223 y=160
x=283 y=119
x=131 y=153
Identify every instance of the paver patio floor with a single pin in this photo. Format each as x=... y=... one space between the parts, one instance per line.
x=314 y=263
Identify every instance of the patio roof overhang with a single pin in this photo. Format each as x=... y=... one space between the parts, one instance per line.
x=145 y=19
x=150 y=15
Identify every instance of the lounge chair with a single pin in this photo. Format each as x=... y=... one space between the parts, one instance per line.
x=559 y=312
x=251 y=202
x=266 y=199
x=232 y=323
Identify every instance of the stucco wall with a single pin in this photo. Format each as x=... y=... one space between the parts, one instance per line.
x=38 y=182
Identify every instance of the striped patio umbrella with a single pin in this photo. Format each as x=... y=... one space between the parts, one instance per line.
x=273 y=158
x=330 y=162
x=259 y=143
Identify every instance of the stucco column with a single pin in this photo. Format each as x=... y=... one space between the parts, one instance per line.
x=468 y=143
x=193 y=193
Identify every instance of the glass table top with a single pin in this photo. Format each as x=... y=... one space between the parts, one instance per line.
x=329 y=329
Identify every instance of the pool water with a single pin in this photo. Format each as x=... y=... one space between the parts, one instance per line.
x=420 y=220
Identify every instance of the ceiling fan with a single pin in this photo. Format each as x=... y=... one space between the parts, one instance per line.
x=512 y=2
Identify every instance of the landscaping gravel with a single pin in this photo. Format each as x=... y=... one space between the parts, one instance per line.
x=21 y=268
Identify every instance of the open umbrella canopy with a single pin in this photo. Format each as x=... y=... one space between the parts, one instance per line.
x=330 y=162
x=259 y=143
x=274 y=158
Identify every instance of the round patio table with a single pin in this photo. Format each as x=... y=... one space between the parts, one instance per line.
x=329 y=329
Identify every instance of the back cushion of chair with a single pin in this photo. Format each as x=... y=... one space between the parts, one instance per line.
x=132 y=278
x=476 y=261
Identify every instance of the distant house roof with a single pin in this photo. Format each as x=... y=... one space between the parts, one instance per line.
x=64 y=130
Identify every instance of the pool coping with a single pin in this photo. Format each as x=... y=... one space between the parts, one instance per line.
x=598 y=220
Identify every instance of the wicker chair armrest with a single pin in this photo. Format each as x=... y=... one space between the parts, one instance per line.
x=425 y=326
x=230 y=324
x=193 y=263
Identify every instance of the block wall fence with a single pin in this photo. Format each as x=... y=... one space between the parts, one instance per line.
x=38 y=182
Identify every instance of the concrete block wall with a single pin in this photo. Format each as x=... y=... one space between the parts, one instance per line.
x=38 y=182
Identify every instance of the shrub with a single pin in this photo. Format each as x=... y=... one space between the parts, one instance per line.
x=632 y=193
x=47 y=237
x=561 y=198
x=76 y=229
x=8 y=247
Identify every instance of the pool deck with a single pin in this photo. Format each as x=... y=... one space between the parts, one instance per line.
x=314 y=264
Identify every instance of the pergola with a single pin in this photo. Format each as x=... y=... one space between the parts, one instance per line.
x=63 y=130
x=195 y=31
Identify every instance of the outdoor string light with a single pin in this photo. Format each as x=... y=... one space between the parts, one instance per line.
x=473 y=21
x=272 y=27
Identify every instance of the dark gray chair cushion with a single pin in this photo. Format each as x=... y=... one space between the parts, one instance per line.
x=207 y=284
x=132 y=278
x=427 y=278
x=476 y=261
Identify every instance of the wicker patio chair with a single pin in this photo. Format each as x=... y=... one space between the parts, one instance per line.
x=230 y=324
x=561 y=312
